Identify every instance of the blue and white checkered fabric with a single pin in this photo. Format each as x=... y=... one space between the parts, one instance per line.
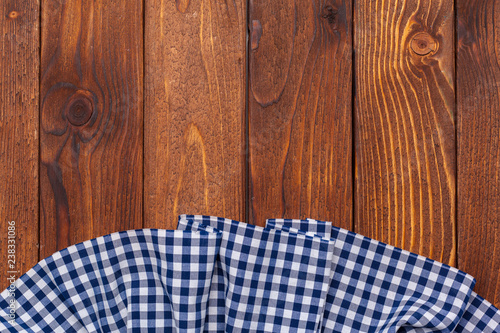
x=268 y=280
x=145 y=280
x=480 y=316
x=274 y=279
x=380 y=288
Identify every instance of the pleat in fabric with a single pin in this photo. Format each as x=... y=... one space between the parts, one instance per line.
x=268 y=280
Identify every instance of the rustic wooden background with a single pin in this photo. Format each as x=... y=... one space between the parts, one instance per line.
x=383 y=117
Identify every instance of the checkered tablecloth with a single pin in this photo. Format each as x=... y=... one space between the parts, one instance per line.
x=220 y=275
x=480 y=316
x=268 y=280
x=380 y=288
x=145 y=280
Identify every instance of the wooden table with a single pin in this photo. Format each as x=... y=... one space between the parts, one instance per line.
x=383 y=117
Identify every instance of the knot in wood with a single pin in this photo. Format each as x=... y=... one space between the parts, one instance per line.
x=13 y=14
x=330 y=14
x=79 y=109
x=423 y=43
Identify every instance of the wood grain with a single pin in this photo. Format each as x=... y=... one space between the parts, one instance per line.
x=91 y=120
x=405 y=126
x=300 y=67
x=19 y=63
x=195 y=110
x=478 y=135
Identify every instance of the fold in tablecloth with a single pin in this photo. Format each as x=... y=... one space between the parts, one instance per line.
x=480 y=316
x=381 y=288
x=268 y=280
x=145 y=280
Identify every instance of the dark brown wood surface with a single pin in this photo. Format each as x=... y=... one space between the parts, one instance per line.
x=478 y=135
x=300 y=116
x=19 y=63
x=194 y=141
x=405 y=125
x=91 y=112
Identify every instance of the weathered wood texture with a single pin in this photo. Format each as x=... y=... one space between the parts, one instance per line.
x=195 y=110
x=404 y=125
x=300 y=83
x=19 y=63
x=478 y=135
x=91 y=120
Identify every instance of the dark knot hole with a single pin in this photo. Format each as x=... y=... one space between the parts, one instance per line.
x=79 y=110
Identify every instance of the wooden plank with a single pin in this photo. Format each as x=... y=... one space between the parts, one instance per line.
x=478 y=137
x=91 y=120
x=300 y=111
x=195 y=58
x=19 y=64
x=404 y=125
